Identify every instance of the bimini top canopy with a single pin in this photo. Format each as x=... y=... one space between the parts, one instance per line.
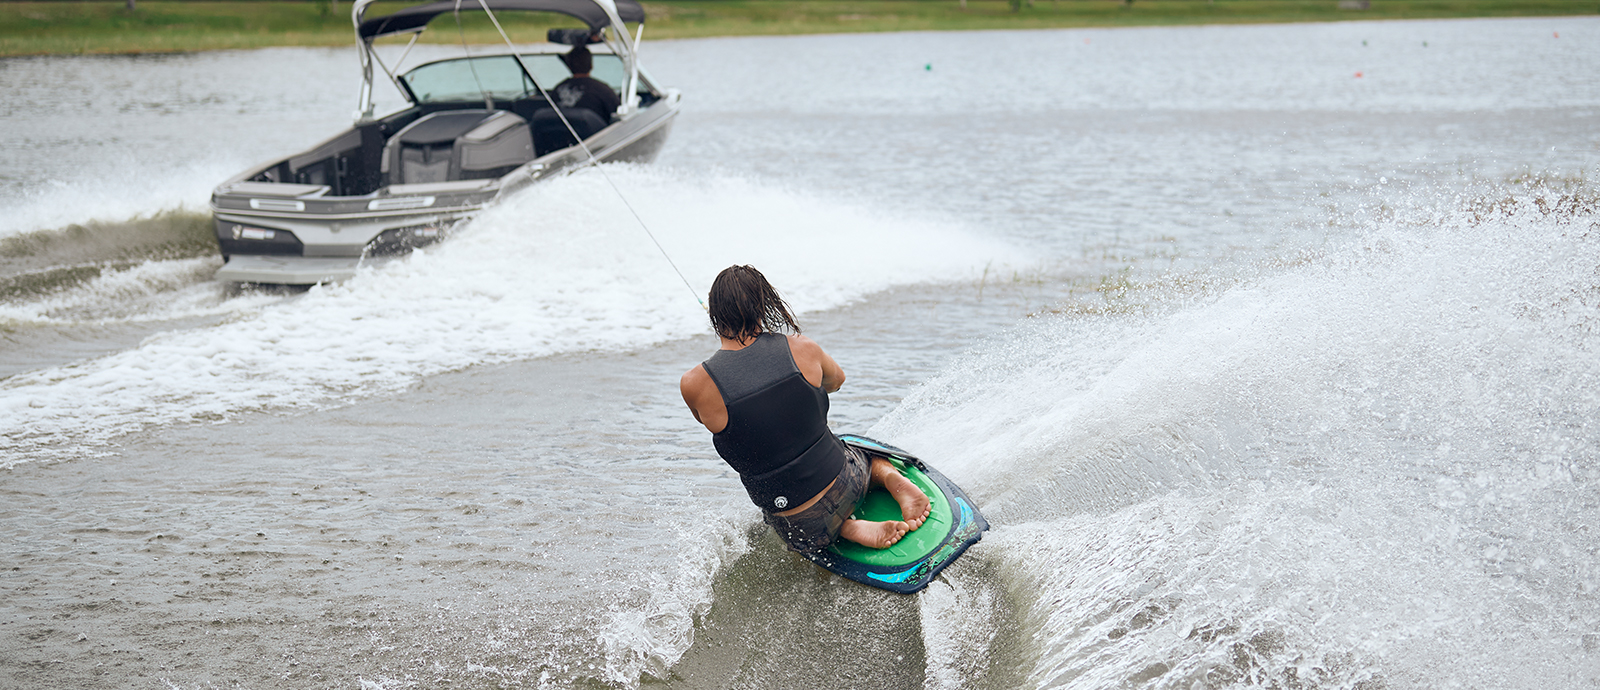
x=414 y=18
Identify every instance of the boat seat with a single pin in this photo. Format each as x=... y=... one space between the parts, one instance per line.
x=549 y=134
x=455 y=145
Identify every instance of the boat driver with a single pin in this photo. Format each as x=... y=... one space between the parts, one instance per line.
x=583 y=91
x=764 y=397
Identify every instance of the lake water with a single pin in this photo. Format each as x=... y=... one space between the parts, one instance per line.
x=1271 y=353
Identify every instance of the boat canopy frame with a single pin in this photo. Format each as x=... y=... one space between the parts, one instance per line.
x=597 y=14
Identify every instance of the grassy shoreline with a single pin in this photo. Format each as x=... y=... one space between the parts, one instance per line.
x=165 y=26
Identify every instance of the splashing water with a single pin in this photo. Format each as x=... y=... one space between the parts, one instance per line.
x=1373 y=468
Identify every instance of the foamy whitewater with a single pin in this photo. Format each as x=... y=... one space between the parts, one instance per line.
x=499 y=291
x=1270 y=353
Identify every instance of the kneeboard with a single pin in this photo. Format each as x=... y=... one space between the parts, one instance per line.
x=953 y=524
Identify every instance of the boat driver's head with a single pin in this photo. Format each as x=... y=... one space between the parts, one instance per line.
x=578 y=60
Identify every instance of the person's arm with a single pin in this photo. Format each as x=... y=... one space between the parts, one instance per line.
x=832 y=374
x=686 y=387
x=704 y=400
x=818 y=368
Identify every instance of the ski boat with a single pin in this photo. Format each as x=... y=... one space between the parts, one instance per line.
x=476 y=129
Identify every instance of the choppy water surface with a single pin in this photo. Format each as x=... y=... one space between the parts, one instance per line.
x=1270 y=352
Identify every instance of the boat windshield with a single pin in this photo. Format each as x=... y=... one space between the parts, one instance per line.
x=468 y=79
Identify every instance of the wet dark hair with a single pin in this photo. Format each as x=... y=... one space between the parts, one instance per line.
x=742 y=304
x=578 y=60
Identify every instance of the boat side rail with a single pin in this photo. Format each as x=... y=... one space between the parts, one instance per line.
x=258 y=200
x=359 y=214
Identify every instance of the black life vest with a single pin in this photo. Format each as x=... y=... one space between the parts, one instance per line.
x=777 y=436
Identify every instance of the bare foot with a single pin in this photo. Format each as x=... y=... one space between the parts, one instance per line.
x=874 y=535
x=914 y=505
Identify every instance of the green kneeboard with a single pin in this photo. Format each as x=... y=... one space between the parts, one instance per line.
x=953 y=524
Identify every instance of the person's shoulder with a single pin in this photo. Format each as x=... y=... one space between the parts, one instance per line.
x=696 y=372
x=694 y=377
x=800 y=344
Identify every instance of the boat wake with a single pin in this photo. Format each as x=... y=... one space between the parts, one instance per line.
x=562 y=267
x=49 y=262
x=90 y=289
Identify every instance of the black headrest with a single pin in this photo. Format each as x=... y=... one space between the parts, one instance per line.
x=573 y=37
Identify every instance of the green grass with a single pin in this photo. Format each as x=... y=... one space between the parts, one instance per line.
x=69 y=28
